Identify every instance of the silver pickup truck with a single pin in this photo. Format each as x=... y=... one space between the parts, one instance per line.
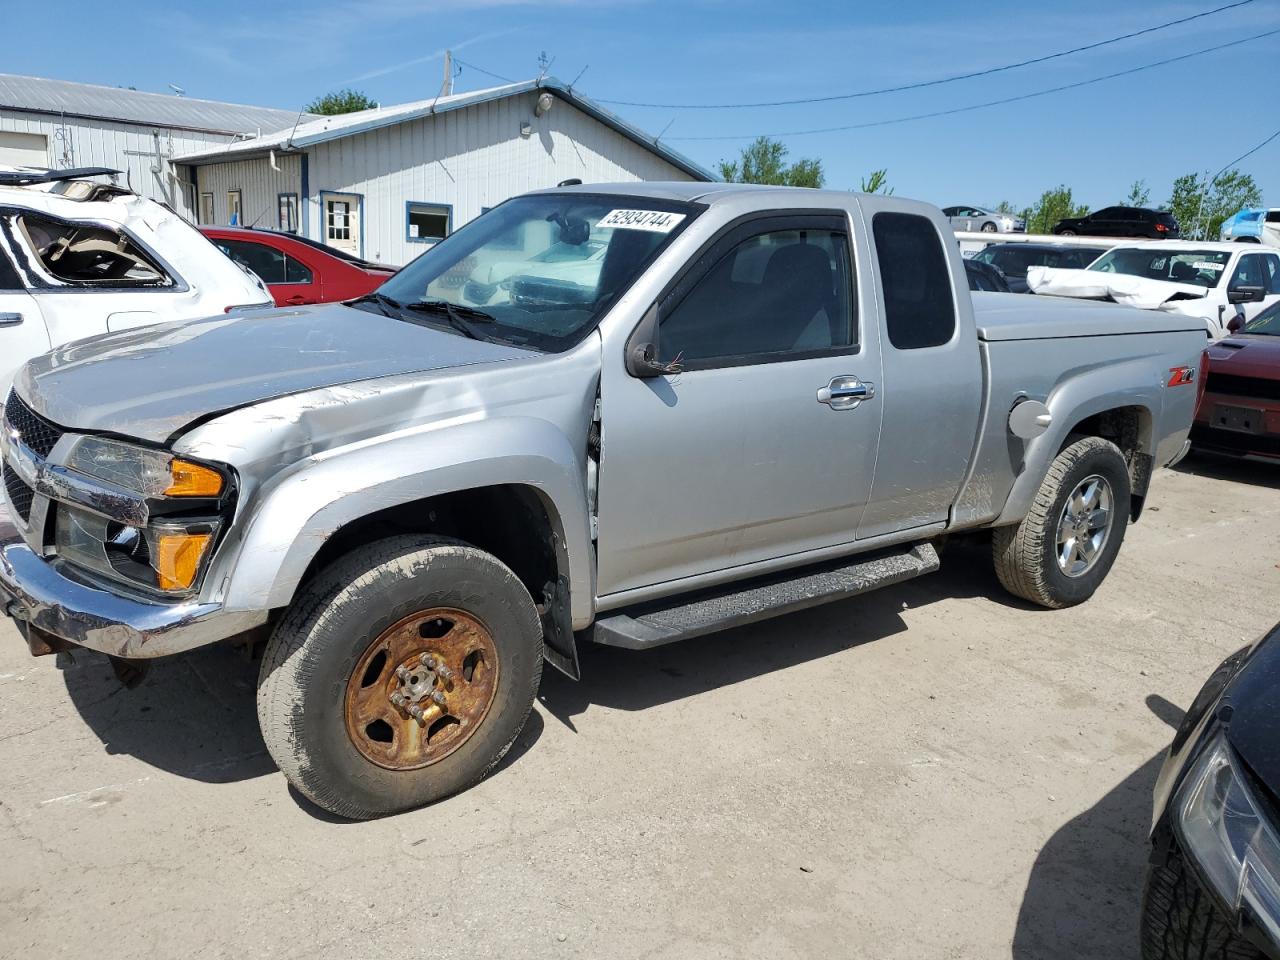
x=625 y=414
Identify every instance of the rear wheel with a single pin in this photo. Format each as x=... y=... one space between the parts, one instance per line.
x=1064 y=547
x=399 y=676
x=989 y=227
x=1066 y=233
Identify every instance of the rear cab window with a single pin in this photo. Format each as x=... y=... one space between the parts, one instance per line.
x=919 y=305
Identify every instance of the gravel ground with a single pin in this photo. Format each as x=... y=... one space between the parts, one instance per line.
x=934 y=771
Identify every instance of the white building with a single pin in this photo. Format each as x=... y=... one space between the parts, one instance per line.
x=385 y=183
x=56 y=123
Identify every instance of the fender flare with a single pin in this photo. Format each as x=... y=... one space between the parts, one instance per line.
x=1075 y=400
x=295 y=513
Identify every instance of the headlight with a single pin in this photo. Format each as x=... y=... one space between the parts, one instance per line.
x=152 y=473
x=1228 y=836
x=163 y=556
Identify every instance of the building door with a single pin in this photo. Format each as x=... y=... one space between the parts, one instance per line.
x=342 y=222
x=23 y=149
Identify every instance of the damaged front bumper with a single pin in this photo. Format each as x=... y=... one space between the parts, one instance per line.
x=48 y=605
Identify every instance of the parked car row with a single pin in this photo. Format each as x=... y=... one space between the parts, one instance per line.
x=978 y=219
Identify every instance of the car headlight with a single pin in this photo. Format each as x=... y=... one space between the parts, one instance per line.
x=1224 y=830
x=169 y=553
x=142 y=470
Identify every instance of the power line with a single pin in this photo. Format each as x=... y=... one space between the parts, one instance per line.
x=487 y=73
x=928 y=83
x=1246 y=154
x=989 y=103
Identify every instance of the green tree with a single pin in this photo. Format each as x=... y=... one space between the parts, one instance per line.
x=1053 y=205
x=1200 y=206
x=876 y=182
x=764 y=161
x=340 y=101
x=1138 y=196
x=1004 y=206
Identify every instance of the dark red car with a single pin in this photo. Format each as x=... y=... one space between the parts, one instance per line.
x=297 y=270
x=1239 y=413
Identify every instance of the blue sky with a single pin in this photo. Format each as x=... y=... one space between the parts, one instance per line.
x=1155 y=125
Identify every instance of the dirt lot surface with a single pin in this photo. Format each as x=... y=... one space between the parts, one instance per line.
x=933 y=771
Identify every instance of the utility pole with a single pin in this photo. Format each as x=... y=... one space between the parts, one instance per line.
x=446 y=88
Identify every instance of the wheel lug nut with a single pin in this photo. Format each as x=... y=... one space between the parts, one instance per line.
x=438 y=697
x=415 y=711
x=443 y=672
x=397 y=699
x=402 y=673
x=428 y=661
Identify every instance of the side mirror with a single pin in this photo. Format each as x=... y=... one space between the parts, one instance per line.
x=641 y=358
x=1235 y=324
x=1246 y=294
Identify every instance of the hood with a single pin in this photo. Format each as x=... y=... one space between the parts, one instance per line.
x=1247 y=355
x=151 y=382
x=1140 y=292
x=1254 y=697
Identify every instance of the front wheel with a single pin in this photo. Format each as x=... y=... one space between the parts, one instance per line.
x=1064 y=547
x=989 y=227
x=399 y=676
x=1066 y=233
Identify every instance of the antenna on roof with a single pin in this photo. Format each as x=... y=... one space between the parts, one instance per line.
x=446 y=89
x=579 y=76
x=294 y=130
x=177 y=89
x=544 y=64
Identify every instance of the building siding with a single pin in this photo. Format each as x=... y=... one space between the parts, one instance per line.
x=467 y=159
x=259 y=187
x=140 y=152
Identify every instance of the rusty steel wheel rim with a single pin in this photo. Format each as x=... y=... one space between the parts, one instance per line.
x=421 y=689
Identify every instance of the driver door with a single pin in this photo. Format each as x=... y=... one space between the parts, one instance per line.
x=764 y=444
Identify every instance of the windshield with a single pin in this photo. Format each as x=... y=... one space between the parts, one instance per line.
x=1266 y=323
x=1200 y=268
x=540 y=269
x=1014 y=261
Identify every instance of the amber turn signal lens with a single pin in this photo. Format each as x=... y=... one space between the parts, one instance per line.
x=178 y=558
x=193 y=480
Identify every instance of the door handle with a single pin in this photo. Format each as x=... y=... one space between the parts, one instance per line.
x=296 y=300
x=845 y=393
x=10 y=319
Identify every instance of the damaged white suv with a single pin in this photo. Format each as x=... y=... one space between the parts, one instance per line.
x=80 y=257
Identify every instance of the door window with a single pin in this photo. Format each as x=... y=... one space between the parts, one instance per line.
x=1249 y=272
x=234 y=214
x=1271 y=269
x=776 y=295
x=207 y=215
x=919 y=309
x=1109 y=213
x=338 y=220
x=90 y=254
x=270 y=265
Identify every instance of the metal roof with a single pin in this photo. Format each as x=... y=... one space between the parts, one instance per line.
x=322 y=129
x=87 y=100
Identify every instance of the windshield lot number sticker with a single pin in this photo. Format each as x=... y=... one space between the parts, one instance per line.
x=655 y=221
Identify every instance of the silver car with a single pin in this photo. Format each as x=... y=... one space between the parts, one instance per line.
x=984 y=221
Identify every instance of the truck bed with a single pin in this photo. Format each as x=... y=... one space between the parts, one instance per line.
x=1019 y=316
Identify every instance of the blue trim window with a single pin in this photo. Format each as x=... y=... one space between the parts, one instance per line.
x=287 y=206
x=427 y=222
x=207 y=216
x=235 y=208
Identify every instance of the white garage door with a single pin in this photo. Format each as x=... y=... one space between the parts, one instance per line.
x=23 y=149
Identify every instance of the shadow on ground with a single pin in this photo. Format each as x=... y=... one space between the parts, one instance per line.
x=1252 y=472
x=195 y=716
x=1084 y=893
x=636 y=680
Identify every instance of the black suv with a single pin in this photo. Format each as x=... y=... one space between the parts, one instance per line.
x=1121 y=222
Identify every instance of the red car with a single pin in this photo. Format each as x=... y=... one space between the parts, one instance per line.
x=1239 y=413
x=297 y=270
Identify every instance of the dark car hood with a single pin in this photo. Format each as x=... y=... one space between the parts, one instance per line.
x=1247 y=355
x=151 y=382
x=1254 y=697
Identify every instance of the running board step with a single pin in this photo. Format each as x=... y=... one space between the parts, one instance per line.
x=653 y=624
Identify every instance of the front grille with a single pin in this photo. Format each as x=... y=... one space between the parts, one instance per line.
x=33 y=430
x=1234 y=386
x=19 y=493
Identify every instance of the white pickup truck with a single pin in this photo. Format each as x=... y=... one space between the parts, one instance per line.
x=758 y=401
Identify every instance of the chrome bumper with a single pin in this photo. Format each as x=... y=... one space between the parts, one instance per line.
x=34 y=592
